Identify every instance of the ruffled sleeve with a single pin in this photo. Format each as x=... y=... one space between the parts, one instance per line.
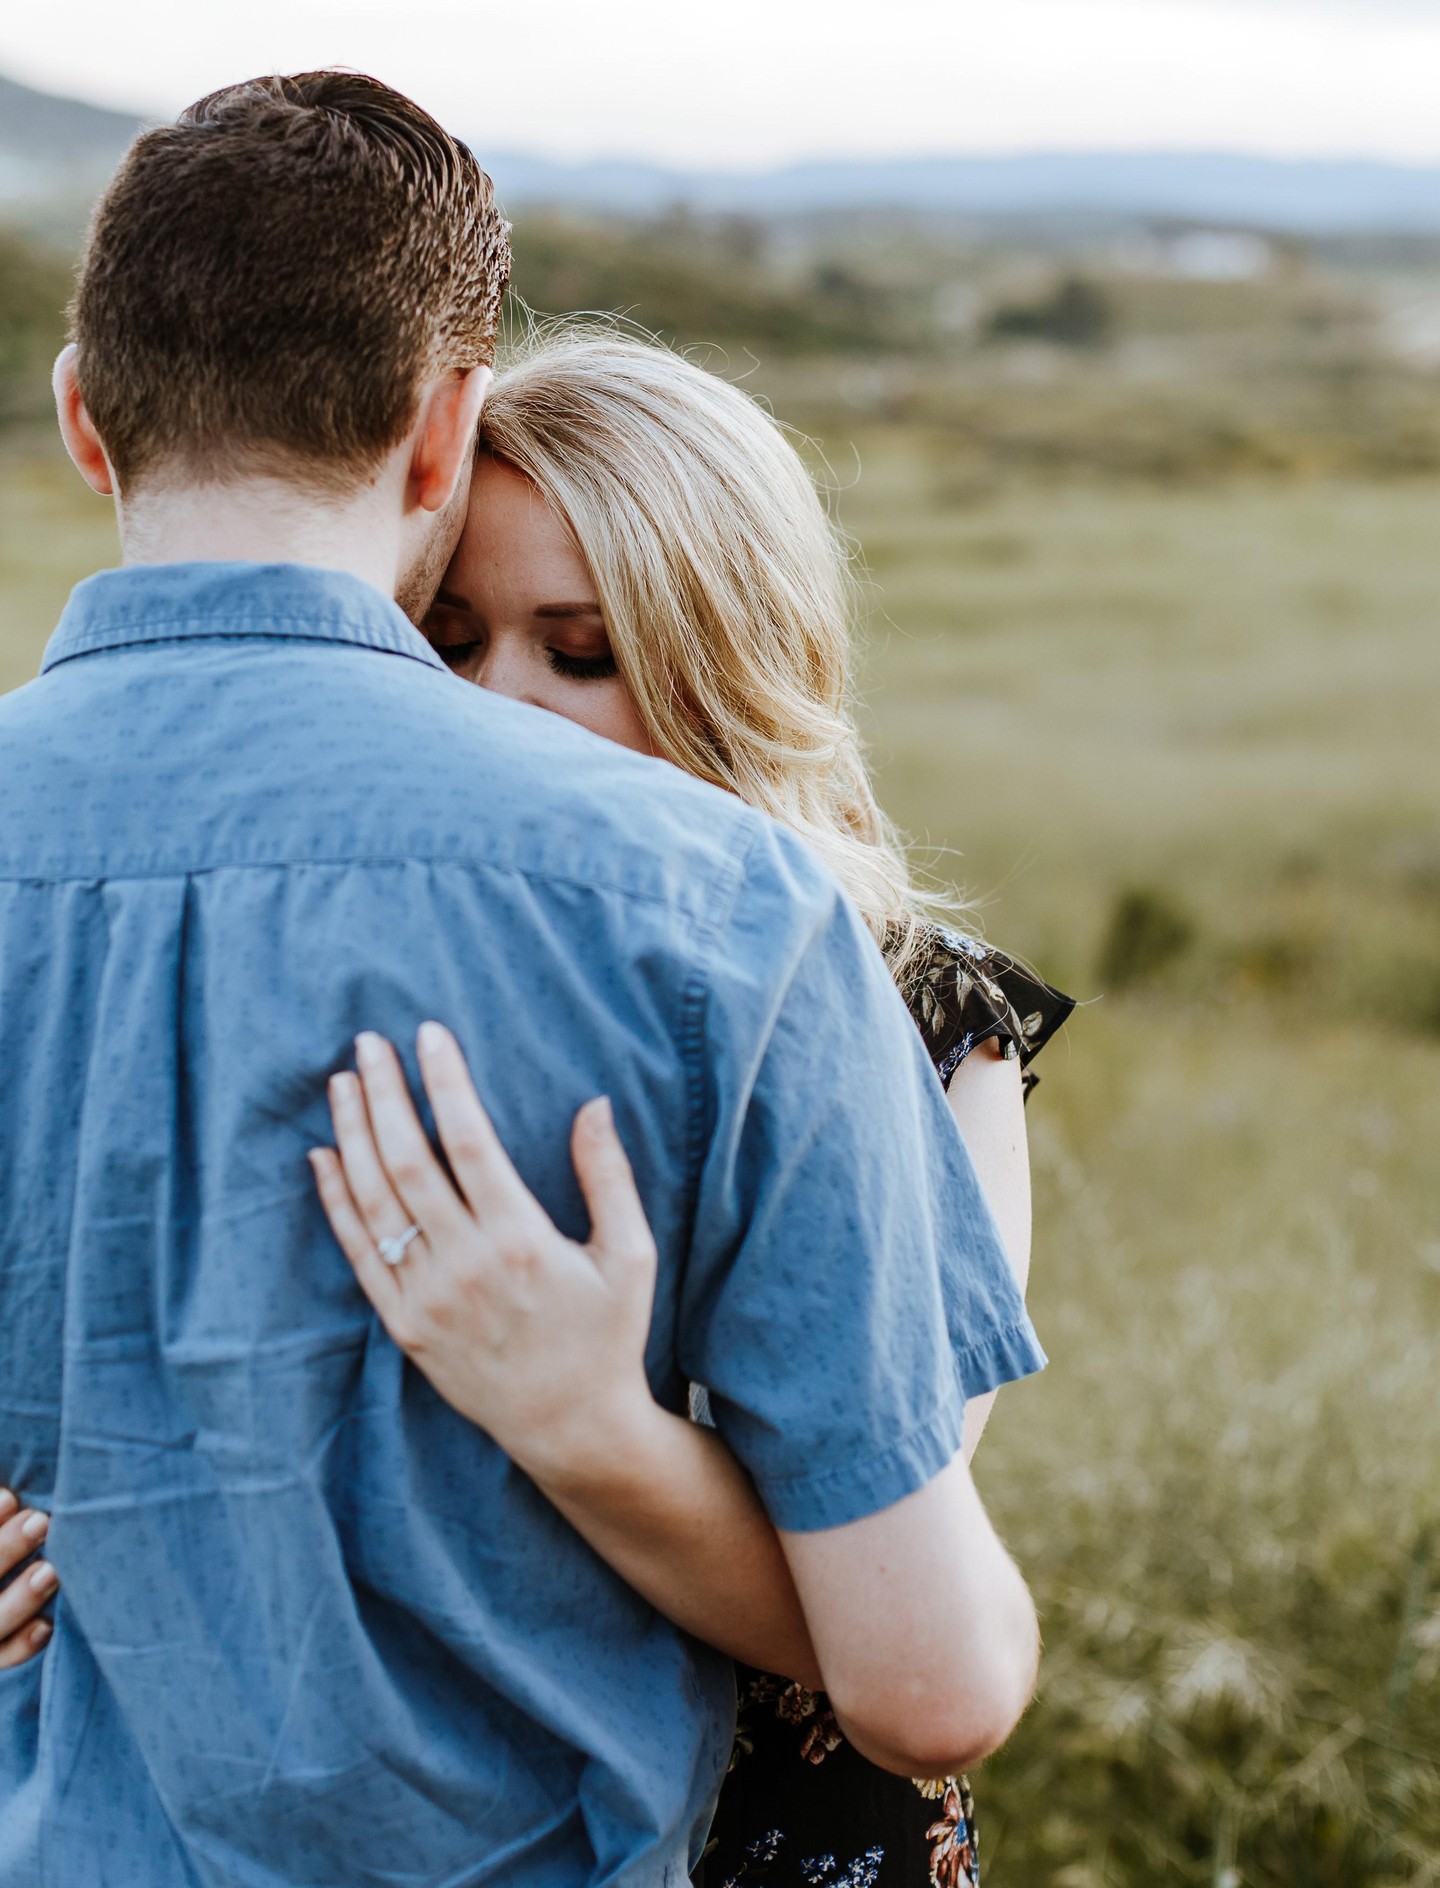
x=965 y=993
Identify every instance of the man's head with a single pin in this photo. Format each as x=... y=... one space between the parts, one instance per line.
x=273 y=289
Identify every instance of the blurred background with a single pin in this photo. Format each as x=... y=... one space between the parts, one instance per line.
x=1113 y=331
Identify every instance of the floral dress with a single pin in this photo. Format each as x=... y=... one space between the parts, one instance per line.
x=800 y=1808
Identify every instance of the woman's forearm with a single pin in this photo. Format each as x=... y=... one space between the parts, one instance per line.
x=665 y=1503
x=674 y=1513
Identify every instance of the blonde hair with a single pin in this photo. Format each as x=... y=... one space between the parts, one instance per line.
x=726 y=590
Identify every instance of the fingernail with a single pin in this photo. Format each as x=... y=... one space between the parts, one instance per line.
x=369 y=1048
x=44 y=1579
x=34 y=1528
x=431 y=1037
x=604 y=1113
x=40 y=1631
x=8 y=1504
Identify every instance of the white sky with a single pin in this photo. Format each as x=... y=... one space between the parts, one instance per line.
x=752 y=82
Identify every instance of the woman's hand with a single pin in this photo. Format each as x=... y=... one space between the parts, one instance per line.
x=542 y=1342
x=538 y=1340
x=23 y=1633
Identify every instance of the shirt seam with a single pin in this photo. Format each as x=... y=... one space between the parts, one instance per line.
x=529 y=874
x=814 y=1481
x=1018 y=1327
x=695 y=1000
x=381 y=639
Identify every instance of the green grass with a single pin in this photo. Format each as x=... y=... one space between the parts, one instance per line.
x=1225 y=1488
x=52 y=532
x=1229 y=691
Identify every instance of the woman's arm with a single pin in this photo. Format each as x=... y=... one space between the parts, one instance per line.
x=988 y=1102
x=541 y=1342
x=677 y=1517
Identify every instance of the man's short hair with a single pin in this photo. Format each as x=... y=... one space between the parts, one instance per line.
x=270 y=281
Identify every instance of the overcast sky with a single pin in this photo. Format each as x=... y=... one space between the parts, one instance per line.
x=750 y=82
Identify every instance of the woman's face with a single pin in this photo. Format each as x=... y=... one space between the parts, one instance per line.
x=517 y=611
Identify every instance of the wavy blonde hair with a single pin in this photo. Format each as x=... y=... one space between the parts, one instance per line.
x=726 y=589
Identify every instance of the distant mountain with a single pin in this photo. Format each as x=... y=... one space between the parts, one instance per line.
x=1315 y=197
x=60 y=129
x=56 y=152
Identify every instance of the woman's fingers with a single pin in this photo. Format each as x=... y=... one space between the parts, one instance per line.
x=396 y=1141
x=23 y=1597
x=26 y=1644
x=378 y=1280
x=21 y=1533
x=473 y=1148
x=618 y=1226
x=26 y=1596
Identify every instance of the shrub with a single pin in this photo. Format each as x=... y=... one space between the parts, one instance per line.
x=1146 y=932
x=1076 y=314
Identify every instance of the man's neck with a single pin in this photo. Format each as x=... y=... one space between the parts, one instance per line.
x=263 y=521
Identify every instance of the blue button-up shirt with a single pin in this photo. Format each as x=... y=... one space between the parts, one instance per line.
x=315 y=1627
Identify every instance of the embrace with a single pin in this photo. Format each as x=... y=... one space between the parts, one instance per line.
x=515 y=1205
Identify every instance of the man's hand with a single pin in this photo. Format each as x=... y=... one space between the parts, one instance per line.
x=23 y=1633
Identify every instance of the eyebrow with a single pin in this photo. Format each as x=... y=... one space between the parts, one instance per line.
x=559 y=612
x=452 y=599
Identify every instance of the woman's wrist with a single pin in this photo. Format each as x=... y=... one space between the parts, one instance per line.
x=597 y=1447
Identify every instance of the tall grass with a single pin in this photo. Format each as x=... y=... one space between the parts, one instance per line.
x=1226 y=1489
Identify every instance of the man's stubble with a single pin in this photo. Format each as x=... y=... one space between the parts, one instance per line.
x=415 y=591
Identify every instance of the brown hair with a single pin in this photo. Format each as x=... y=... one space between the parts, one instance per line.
x=270 y=281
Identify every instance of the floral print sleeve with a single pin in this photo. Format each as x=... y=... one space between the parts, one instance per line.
x=800 y=1807
x=965 y=993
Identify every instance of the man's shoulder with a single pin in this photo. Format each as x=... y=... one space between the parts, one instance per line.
x=507 y=784
x=246 y=753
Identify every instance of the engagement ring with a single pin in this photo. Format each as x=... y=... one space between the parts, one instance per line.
x=394 y=1250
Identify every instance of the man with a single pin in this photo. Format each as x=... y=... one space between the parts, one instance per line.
x=314 y=1628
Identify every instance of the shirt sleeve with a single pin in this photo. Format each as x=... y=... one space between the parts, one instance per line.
x=846 y=1290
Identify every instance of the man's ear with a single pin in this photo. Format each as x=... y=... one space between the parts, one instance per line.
x=443 y=438
x=77 y=429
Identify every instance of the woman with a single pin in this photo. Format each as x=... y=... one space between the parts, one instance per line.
x=645 y=553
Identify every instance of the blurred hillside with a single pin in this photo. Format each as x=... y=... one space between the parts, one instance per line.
x=1167 y=350
x=49 y=144
x=55 y=155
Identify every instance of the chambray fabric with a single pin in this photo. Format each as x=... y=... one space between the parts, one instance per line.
x=315 y=1628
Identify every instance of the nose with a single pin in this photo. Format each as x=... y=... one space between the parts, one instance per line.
x=508 y=669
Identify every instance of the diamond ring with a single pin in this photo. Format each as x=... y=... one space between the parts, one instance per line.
x=392 y=1251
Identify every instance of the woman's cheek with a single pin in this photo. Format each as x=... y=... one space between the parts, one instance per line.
x=617 y=719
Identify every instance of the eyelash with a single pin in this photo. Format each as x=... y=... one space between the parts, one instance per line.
x=582 y=668
x=455 y=654
x=574 y=668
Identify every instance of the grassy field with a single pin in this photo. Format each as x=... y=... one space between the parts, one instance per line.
x=1210 y=701
x=1220 y=700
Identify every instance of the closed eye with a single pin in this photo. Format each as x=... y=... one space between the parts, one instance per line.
x=456 y=655
x=583 y=668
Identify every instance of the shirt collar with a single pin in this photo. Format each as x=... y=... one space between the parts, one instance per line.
x=181 y=602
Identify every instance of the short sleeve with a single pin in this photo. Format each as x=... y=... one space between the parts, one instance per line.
x=962 y=993
x=846 y=1291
